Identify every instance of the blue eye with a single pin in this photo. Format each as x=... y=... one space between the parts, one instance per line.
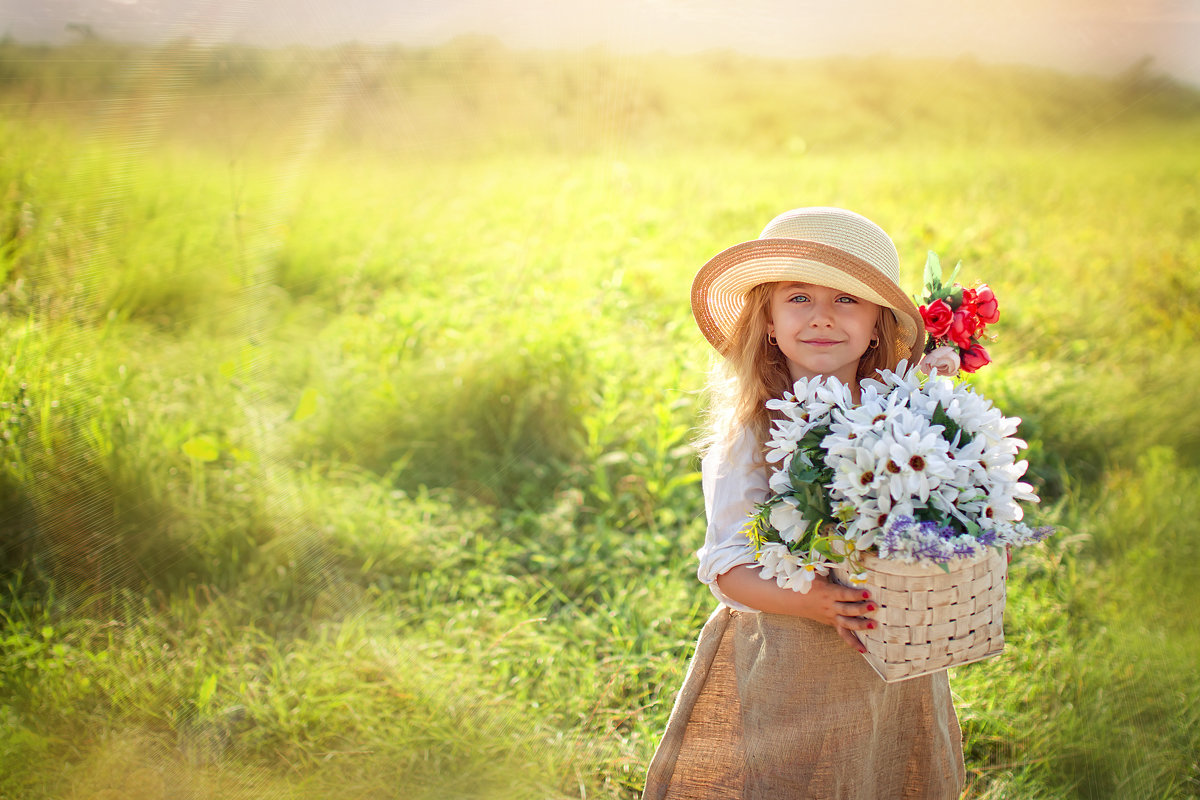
x=798 y=298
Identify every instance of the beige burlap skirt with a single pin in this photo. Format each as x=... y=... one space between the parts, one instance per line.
x=780 y=707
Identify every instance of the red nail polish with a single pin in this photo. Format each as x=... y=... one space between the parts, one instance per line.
x=871 y=625
x=862 y=649
x=866 y=595
x=870 y=606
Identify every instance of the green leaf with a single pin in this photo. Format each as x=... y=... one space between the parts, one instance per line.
x=207 y=690
x=944 y=567
x=933 y=272
x=241 y=454
x=308 y=404
x=758 y=528
x=954 y=276
x=817 y=502
x=801 y=474
x=954 y=297
x=823 y=546
x=950 y=428
x=202 y=448
x=812 y=440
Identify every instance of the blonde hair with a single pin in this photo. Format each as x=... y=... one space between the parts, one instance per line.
x=753 y=371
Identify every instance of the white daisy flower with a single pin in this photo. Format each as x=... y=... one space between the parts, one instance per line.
x=780 y=481
x=787 y=519
x=911 y=445
x=790 y=570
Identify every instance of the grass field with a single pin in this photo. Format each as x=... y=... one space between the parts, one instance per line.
x=348 y=399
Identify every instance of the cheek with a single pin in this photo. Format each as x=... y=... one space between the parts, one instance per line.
x=776 y=311
x=781 y=316
x=865 y=321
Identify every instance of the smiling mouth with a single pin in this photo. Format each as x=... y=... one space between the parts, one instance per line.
x=821 y=342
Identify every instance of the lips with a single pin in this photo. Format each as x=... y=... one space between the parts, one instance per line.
x=820 y=342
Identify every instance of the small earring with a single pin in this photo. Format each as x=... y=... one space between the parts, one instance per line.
x=874 y=343
x=772 y=340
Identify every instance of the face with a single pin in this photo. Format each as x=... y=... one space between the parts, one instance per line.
x=821 y=331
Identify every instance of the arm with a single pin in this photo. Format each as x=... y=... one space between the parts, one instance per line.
x=733 y=482
x=840 y=606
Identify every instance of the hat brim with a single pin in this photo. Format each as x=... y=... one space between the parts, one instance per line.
x=720 y=287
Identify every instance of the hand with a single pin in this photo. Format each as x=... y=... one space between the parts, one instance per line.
x=843 y=607
x=840 y=607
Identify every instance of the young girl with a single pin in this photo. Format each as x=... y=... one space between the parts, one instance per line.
x=777 y=702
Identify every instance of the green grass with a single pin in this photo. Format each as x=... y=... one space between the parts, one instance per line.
x=349 y=397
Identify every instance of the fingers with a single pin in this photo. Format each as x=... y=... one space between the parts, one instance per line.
x=851 y=619
x=850 y=594
x=856 y=602
x=861 y=608
x=856 y=623
x=856 y=615
x=851 y=639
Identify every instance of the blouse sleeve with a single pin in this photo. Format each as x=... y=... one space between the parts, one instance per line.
x=733 y=484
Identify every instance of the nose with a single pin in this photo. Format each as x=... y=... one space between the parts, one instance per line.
x=822 y=314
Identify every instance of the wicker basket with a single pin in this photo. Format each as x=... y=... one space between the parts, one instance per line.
x=929 y=619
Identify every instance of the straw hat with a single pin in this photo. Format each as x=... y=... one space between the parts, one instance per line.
x=826 y=246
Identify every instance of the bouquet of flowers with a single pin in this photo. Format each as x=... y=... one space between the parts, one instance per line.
x=955 y=319
x=921 y=474
x=922 y=470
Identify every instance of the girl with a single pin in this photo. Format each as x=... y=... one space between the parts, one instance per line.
x=777 y=703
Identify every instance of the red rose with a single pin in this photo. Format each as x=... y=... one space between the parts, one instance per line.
x=986 y=306
x=962 y=328
x=975 y=357
x=937 y=316
x=968 y=301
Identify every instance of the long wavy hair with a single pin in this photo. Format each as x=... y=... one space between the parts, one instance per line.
x=753 y=371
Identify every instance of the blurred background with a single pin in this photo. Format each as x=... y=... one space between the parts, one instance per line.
x=348 y=384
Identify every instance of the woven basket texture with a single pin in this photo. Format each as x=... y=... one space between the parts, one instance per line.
x=929 y=619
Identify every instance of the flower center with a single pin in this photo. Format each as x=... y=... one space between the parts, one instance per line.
x=867 y=478
x=917 y=463
x=893 y=467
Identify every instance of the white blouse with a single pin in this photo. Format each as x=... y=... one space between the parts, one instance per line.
x=733 y=484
